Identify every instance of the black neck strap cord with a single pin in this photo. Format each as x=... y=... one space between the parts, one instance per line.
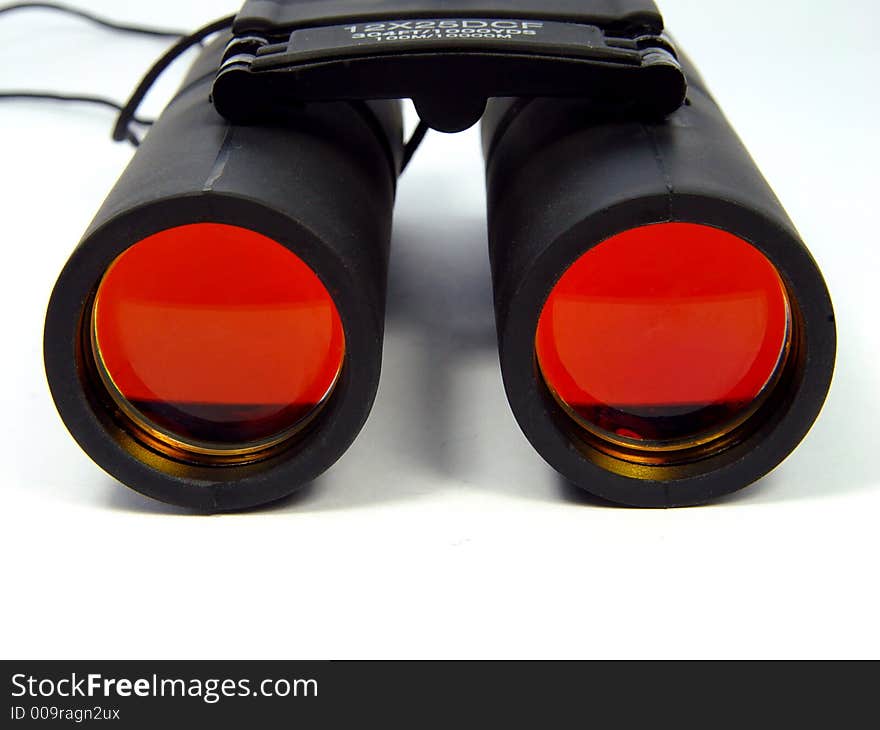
x=94 y=19
x=128 y=112
x=34 y=95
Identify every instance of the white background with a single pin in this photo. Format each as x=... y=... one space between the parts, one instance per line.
x=442 y=533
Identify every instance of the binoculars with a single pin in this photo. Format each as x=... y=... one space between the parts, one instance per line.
x=666 y=338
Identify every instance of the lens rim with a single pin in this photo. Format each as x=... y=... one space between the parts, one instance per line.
x=681 y=450
x=764 y=441
x=166 y=441
x=92 y=420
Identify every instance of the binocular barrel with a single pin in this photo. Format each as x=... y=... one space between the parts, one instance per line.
x=665 y=336
x=215 y=341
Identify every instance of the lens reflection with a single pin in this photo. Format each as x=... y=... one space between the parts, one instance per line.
x=212 y=338
x=664 y=335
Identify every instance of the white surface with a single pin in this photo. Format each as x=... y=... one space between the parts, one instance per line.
x=442 y=533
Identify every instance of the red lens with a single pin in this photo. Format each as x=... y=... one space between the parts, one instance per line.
x=216 y=337
x=665 y=333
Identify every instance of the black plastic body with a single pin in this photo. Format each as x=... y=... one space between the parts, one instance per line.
x=319 y=180
x=564 y=177
x=449 y=57
x=564 y=174
x=259 y=16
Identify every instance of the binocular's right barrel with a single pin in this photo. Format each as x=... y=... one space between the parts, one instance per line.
x=215 y=341
x=666 y=338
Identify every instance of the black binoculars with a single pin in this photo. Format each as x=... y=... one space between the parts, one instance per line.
x=216 y=339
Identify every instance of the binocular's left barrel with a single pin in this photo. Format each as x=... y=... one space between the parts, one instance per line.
x=666 y=337
x=215 y=341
